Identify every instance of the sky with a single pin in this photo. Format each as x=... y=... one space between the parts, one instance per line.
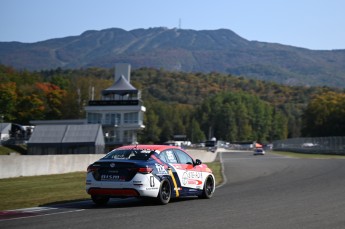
x=312 y=24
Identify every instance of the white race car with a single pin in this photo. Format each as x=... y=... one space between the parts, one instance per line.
x=259 y=151
x=158 y=171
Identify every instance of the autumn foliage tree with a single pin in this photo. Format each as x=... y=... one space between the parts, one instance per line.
x=197 y=105
x=8 y=99
x=325 y=115
x=52 y=97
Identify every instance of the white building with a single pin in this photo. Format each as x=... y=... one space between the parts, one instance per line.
x=120 y=110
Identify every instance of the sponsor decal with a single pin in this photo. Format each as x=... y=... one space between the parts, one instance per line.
x=194 y=174
x=161 y=169
x=151 y=188
x=111 y=177
x=194 y=182
x=112 y=165
x=184 y=178
x=191 y=178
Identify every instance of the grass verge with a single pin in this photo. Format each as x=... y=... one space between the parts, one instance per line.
x=217 y=171
x=24 y=192
x=6 y=150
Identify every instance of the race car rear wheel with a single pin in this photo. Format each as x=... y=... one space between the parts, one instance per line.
x=100 y=200
x=164 y=193
x=208 y=190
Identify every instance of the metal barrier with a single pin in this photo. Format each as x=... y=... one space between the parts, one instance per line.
x=320 y=145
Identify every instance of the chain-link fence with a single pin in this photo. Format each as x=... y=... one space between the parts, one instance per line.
x=322 y=145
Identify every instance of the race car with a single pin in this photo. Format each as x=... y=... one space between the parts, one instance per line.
x=259 y=151
x=158 y=172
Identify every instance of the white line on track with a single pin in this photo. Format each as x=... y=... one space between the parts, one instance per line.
x=38 y=209
x=33 y=209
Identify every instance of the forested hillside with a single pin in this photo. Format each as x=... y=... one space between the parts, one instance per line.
x=198 y=105
x=181 y=50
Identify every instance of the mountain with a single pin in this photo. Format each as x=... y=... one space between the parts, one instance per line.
x=220 y=51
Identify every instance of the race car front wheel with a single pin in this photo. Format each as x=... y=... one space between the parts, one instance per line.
x=208 y=190
x=164 y=193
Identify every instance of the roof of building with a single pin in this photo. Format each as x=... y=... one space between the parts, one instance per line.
x=59 y=122
x=120 y=87
x=68 y=134
x=81 y=133
x=5 y=126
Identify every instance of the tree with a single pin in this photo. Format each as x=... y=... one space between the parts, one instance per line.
x=279 y=126
x=195 y=133
x=8 y=100
x=53 y=97
x=30 y=107
x=237 y=117
x=325 y=115
x=152 y=131
x=243 y=124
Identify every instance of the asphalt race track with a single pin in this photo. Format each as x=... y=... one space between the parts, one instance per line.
x=260 y=192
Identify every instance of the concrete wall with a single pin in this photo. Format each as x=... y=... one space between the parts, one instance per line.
x=35 y=165
x=203 y=155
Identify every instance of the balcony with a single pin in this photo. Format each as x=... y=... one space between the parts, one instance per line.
x=114 y=102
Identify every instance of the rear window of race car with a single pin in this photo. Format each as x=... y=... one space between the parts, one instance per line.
x=129 y=154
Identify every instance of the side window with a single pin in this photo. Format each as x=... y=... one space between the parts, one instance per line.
x=183 y=157
x=163 y=157
x=168 y=156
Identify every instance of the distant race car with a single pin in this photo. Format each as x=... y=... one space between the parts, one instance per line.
x=160 y=172
x=259 y=151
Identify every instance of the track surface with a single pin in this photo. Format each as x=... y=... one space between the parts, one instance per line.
x=261 y=192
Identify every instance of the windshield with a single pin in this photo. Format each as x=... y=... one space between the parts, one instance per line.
x=129 y=154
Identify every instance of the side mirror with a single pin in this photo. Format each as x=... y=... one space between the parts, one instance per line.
x=198 y=162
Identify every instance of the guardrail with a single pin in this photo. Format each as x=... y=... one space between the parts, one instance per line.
x=321 y=145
